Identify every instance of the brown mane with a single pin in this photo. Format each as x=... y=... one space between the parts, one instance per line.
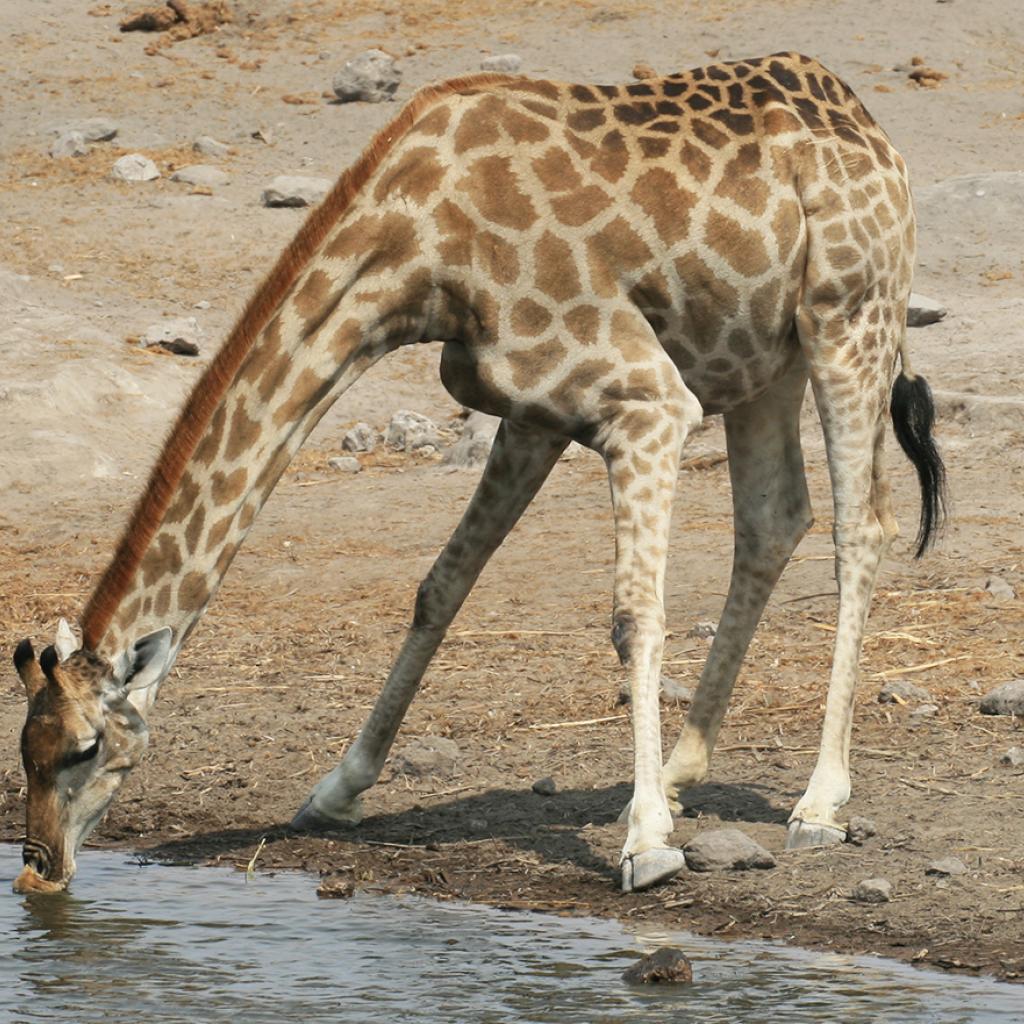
x=187 y=432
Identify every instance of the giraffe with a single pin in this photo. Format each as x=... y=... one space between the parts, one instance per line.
x=601 y=263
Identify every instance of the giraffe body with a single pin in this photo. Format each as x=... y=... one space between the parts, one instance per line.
x=605 y=264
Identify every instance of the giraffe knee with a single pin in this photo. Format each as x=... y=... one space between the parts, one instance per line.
x=425 y=611
x=623 y=635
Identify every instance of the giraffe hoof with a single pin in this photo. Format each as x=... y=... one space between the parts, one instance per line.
x=643 y=870
x=806 y=835
x=312 y=819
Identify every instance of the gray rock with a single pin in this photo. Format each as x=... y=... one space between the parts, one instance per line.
x=663 y=965
x=1005 y=699
x=134 y=167
x=703 y=631
x=922 y=712
x=506 y=63
x=92 y=129
x=175 y=335
x=209 y=146
x=859 y=830
x=428 y=755
x=68 y=143
x=725 y=849
x=670 y=691
x=409 y=430
x=946 y=866
x=922 y=311
x=999 y=588
x=872 y=890
x=345 y=464
x=899 y=691
x=372 y=77
x=545 y=786
x=474 y=444
x=361 y=438
x=1013 y=757
x=294 y=190
x=201 y=174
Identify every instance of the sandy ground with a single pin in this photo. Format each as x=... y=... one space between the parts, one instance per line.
x=285 y=665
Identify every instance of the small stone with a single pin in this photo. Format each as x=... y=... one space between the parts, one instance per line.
x=669 y=691
x=1006 y=699
x=1013 y=757
x=899 y=691
x=134 y=167
x=201 y=174
x=859 y=830
x=545 y=786
x=703 y=631
x=361 y=438
x=409 y=430
x=92 y=129
x=642 y=71
x=427 y=755
x=474 y=444
x=181 y=336
x=726 y=849
x=345 y=464
x=872 y=890
x=663 y=965
x=946 y=866
x=505 y=63
x=206 y=145
x=922 y=311
x=294 y=190
x=68 y=143
x=924 y=711
x=999 y=588
x=372 y=77
x=201 y=304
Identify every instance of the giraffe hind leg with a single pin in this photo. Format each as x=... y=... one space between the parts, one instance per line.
x=519 y=463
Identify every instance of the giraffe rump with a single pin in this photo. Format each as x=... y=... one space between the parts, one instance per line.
x=913 y=416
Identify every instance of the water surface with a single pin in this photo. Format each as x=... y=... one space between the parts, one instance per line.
x=170 y=944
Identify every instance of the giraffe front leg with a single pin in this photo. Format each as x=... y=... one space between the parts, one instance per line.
x=519 y=463
x=641 y=447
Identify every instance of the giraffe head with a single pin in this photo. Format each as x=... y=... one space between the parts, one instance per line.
x=84 y=732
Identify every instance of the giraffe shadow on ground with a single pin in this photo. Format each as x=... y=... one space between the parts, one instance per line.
x=554 y=828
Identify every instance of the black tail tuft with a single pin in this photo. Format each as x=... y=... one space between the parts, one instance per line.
x=913 y=415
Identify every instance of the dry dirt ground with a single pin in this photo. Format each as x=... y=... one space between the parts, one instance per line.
x=287 y=661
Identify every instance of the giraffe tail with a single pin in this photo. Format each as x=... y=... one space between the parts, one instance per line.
x=913 y=417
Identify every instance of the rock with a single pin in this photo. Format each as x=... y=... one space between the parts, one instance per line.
x=345 y=464
x=872 y=890
x=201 y=174
x=427 y=755
x=361 y=438
x=545 y=786
x=409 y=430
x=663 y=965
x=859 y=830
x=474 y=445
x=703 y=631
x=899 y=691
x=180 y=336
x=92 y=129
x=372 y=77
x=726 y=849
x=643 y=70
x=669 y=691
x=506 y=63
x=946 y=866
x=294 y=190
x=209 y=146
x=923 y=711
x=1013 y=757
x=922 y=311
x=999 y=588
x=1005 y=699
x=68 y=143
x=134 y=167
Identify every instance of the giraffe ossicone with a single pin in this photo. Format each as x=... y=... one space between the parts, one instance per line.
x=605 y=264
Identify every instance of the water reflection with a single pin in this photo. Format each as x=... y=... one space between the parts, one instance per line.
x=172 y=944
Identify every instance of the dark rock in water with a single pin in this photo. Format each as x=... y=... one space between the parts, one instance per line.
x=545 y=786
x=663 y=965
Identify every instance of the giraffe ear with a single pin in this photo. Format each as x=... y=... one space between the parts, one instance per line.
x=28 y=668
x=65 y=643
x=146 y=662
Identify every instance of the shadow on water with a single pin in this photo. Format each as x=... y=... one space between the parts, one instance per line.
x=548 y=826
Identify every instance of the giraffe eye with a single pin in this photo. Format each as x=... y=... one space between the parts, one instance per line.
x=85 y=753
